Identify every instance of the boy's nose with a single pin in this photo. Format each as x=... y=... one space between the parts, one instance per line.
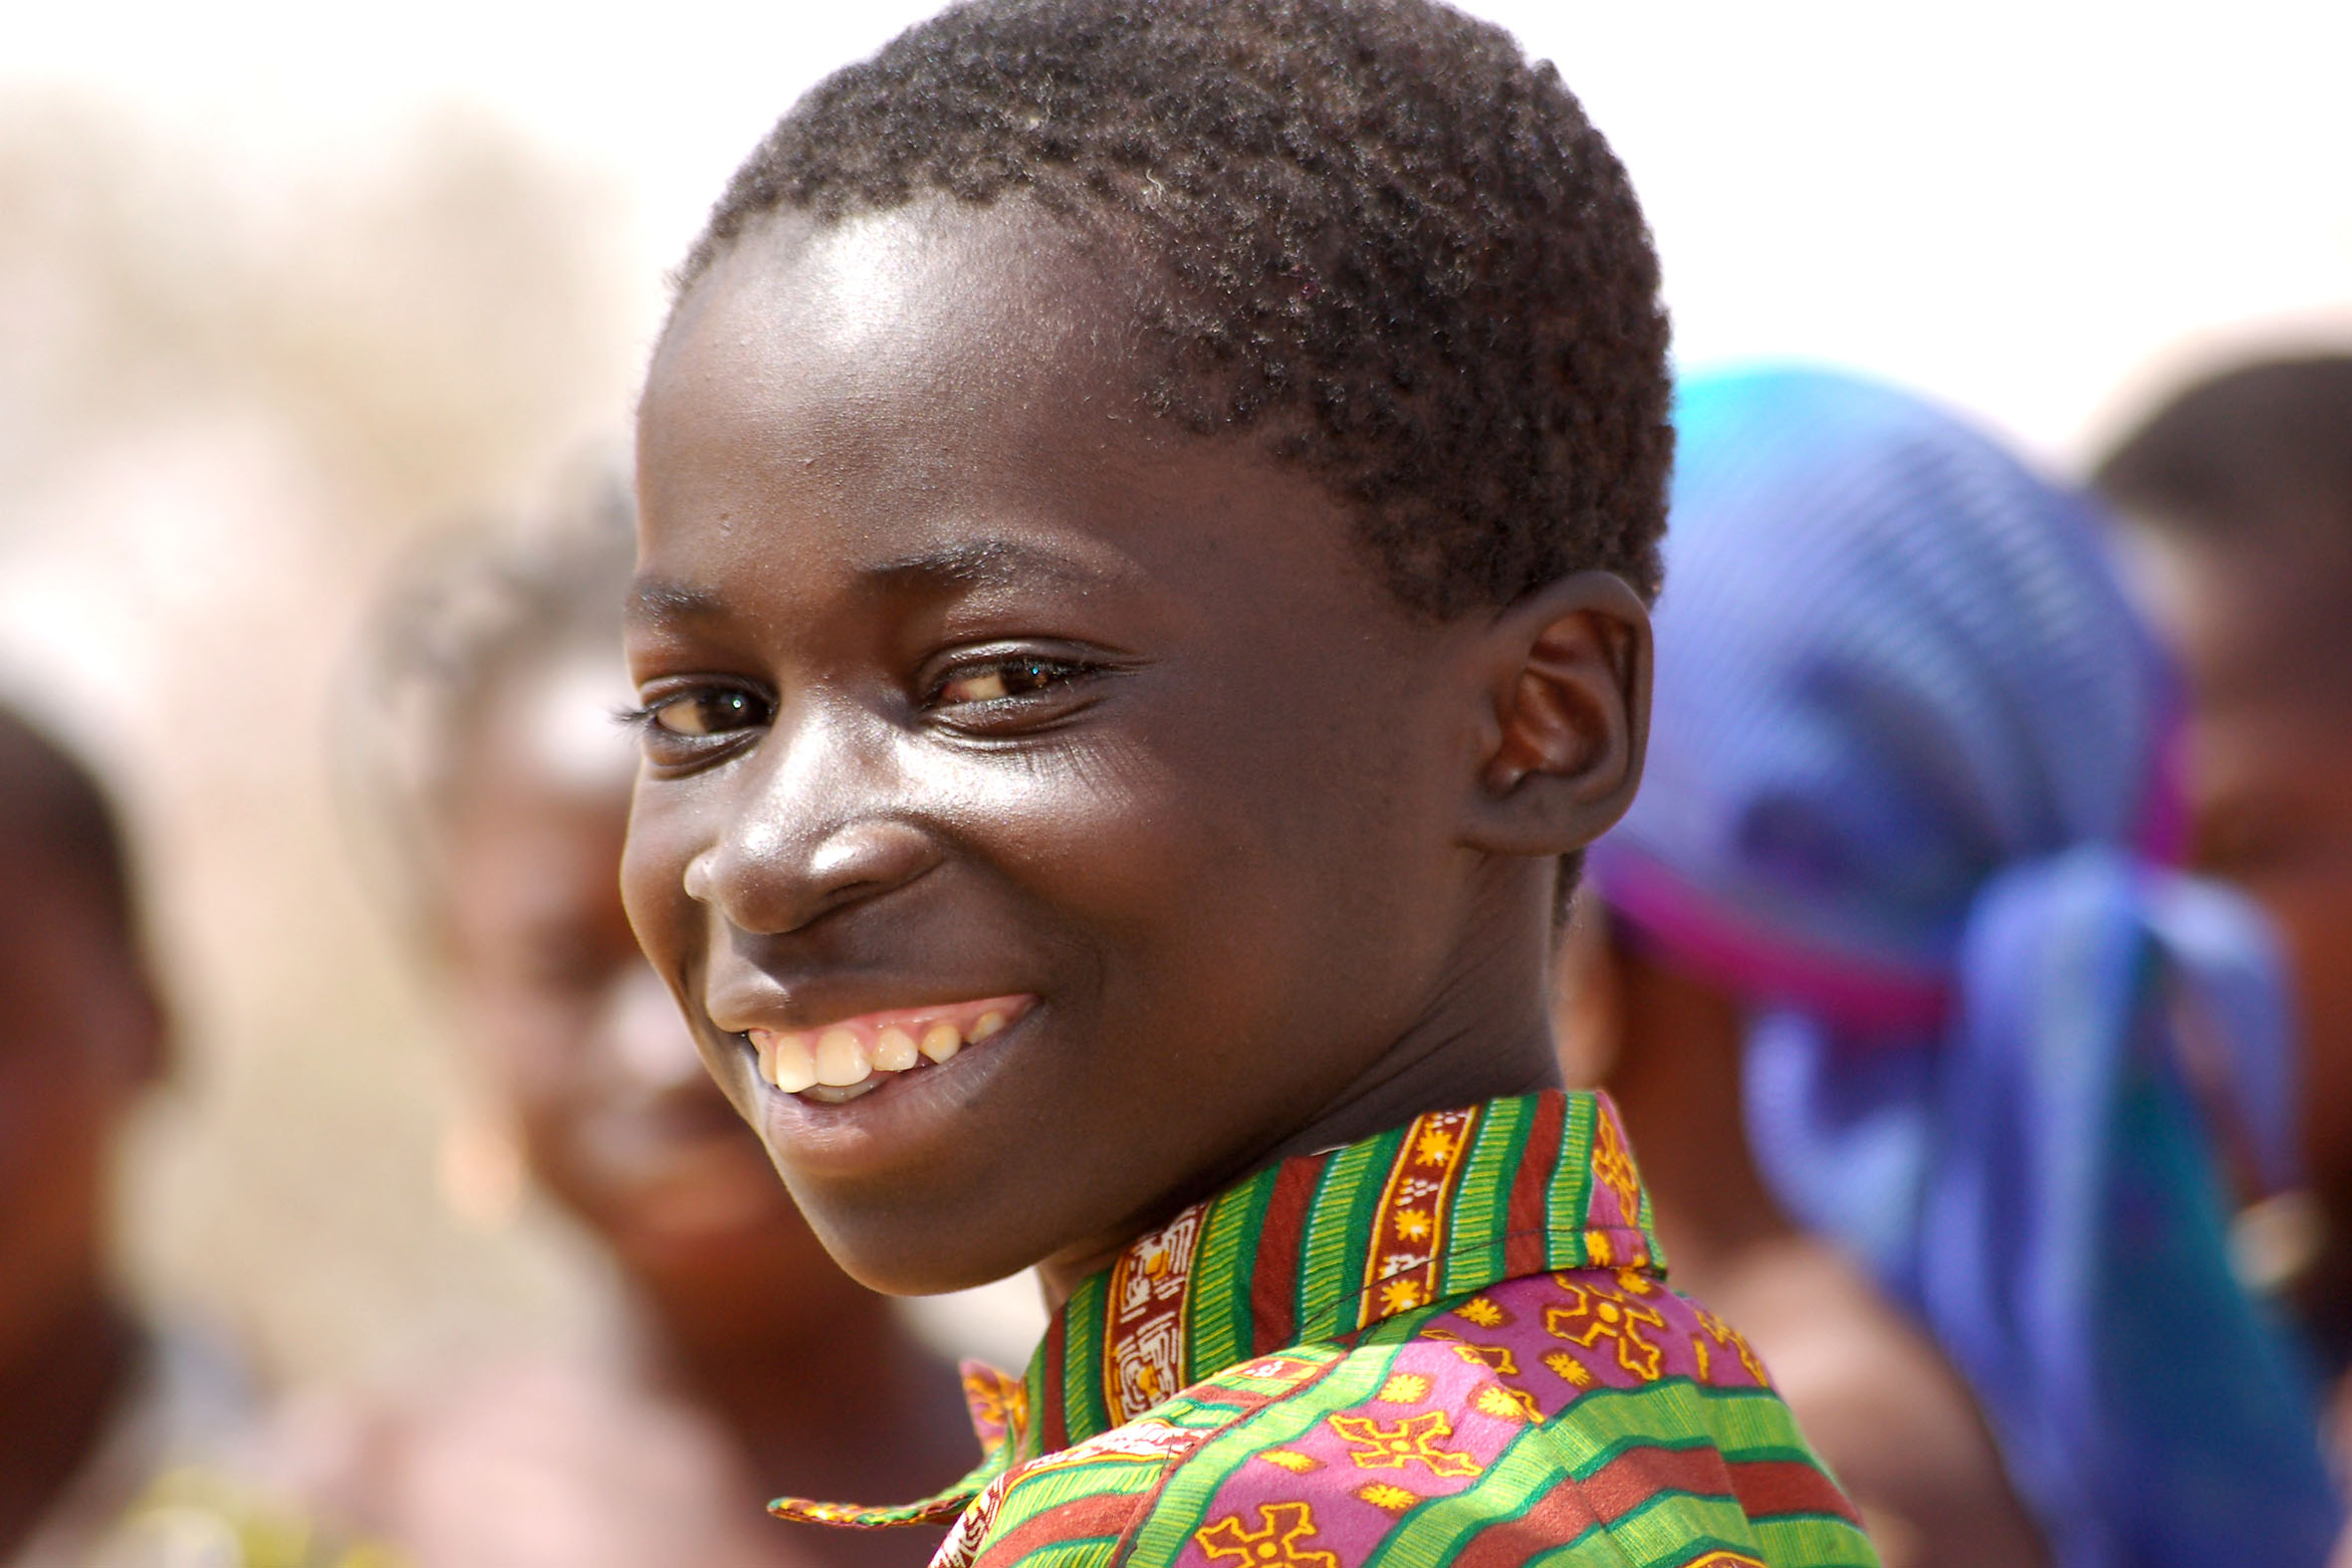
x=812 y=836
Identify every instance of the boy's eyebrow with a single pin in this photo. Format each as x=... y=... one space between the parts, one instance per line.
x=988 y=562
x=968 y=563
x=659 y=600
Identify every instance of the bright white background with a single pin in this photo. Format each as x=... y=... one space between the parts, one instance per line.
x=2020 y=204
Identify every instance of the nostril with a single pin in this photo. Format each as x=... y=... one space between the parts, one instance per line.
x=781 y=881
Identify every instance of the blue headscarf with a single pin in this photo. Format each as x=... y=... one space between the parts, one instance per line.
x=1906 y=797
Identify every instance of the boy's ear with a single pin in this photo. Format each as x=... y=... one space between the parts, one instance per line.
x=1566 y=717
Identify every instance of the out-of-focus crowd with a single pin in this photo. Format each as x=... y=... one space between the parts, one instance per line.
x=1974 y=974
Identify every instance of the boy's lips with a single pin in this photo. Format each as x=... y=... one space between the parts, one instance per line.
x=848 y=1058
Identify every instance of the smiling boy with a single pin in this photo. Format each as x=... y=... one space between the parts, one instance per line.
x=1145 y=522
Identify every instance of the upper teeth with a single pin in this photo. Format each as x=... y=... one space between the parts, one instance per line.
x=848 y=1055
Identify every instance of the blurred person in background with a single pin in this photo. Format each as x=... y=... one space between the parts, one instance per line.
x=2237 y=496
x=1895 y=886
x=490 y=746
x=122 y=1444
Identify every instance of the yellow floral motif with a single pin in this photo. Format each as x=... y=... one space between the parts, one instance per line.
x=995 y=1400
x=1412 y=1225
x=1636 y=1284
x=1276 y=1543
x=1434 y=1146
x=1569 y=1367
x=1382 y=1494
x=1507 y=1404
x=1483 y=1313
x=1400 y=1295
x=1413 y=1441
x=1404 y=1388
x=1613 y=1164
x=1724 y=1334
x=1291 y=1459
x=1497 y=1358
x=1597 y=1312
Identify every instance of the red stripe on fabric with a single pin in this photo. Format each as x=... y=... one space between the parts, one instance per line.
x=1081 y=1519
x=1635 y=1476
x=1560 y=1514
x=1767 y=1488
x=1526 y=1228
x=1274 y=1276
x=1051 y=1420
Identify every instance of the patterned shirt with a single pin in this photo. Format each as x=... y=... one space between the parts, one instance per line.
x=1449 y=1344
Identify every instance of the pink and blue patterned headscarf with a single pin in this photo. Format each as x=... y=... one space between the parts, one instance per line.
x=1907 y=798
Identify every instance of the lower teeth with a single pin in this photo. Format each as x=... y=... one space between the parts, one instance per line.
x=829 y=1094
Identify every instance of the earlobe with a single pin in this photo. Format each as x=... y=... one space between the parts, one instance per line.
x=1567 y=700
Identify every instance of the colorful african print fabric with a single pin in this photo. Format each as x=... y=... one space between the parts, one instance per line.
x=1447 y=1345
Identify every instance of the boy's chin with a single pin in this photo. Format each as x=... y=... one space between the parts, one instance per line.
x=930 y=1238
x=909 y=1261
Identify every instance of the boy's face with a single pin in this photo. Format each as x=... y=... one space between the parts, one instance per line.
x=976 y=688
x=2261 y=633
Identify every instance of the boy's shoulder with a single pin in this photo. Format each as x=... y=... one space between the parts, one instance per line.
x=1588 y=1416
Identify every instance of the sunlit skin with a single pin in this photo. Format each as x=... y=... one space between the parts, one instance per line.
x=81 y=1035
x=966 y=677
x=2262 y=628
x=811 y=1375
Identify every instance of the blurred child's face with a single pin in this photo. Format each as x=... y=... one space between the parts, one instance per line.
x=2262 y=635
x=618 y=1119
x=77 y=1039
x=989 y=708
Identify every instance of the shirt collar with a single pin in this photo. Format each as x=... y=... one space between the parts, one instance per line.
x=1315 y=1248
x=1327 y=1245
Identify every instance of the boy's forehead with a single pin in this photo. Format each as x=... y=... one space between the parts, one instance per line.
x=887 y=359
x=884 y=314
x=945 y=394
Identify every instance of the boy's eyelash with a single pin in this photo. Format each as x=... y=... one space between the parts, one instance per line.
x=631 y=718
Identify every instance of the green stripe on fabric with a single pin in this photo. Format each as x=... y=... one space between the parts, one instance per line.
x=1572 y=1554
x=1051 y=1485
x=1754 y=1424
x=1436 y=1531
x=1217 y=1303
x=1594 y=1429
x=1331 y=1266
x=1670 y=1527
x=1815 y=1541
x=1088 y=1552
x=1084 y=1412
x=1572 y=1184
x=1193 y=1486
x=1482 y=1199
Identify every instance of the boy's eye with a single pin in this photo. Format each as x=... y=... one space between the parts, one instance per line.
x=999 y=679
x=706 y=712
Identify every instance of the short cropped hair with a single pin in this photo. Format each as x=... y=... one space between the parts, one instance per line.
x=2257 y=450
x=1378 y=235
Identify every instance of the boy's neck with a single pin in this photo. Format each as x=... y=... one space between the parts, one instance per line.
x=1486 y=1036
x=59 y=1392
